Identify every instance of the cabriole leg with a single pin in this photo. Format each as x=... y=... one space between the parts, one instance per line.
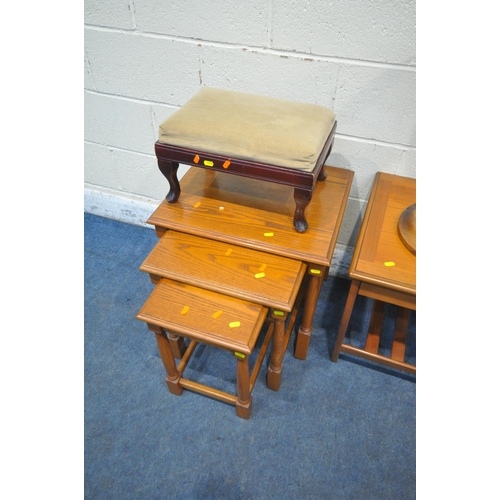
x=169 y=170
x=302 y=198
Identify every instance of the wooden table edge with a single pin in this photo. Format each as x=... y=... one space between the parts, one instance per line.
x=346 y=178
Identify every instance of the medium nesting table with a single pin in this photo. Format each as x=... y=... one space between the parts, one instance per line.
x=383 y=268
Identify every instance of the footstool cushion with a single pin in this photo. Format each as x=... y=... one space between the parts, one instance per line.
x=253 y=127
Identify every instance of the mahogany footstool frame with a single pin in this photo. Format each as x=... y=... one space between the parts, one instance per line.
x=169 y=157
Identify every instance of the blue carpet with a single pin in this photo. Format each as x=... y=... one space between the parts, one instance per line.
x=342 y=430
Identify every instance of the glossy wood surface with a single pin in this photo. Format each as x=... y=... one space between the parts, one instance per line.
x=407 y=228
x=256 y=214
x=379 y=245
x=256 y=276
x=193 y=312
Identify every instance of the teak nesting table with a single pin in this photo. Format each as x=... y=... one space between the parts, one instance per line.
x=218 y=294
x=384 y=269
x=255 y=214
x=228 y=239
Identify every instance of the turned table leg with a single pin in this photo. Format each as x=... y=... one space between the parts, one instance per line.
x=312 y=294
x=277 y=352
x=167 y=356
x=169 y=170
x=244 y=402
x=302 y=198
x=177 y=344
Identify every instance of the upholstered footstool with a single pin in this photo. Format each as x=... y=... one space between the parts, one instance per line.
x=254 y=136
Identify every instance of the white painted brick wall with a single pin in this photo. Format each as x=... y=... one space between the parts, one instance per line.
x=145 y=58
x=286 y=76
x=115 y=14
x=360 y=30
x=226 y=21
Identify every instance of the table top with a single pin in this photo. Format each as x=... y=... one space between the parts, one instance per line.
x=261 y=278
x=380 y=257
x=258 y=214
x=203 y=315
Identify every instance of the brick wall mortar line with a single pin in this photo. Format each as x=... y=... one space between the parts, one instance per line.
x=257 y=49
x=131 y=6
x=132 y=99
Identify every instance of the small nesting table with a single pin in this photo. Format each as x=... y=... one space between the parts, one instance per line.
x=252 y=136
x=384 y=269
x=211 y=318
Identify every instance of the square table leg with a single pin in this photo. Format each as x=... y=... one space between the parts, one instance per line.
x=346 y=317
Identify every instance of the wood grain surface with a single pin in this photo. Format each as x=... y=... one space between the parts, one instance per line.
x=380 y=257
x=203 y=315
x=256 y=214
x=248 y=274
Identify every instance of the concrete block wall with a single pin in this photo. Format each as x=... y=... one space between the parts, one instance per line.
x=145 y=58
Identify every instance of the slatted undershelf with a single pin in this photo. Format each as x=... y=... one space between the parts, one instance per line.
x=370 y=351
x=381 y=299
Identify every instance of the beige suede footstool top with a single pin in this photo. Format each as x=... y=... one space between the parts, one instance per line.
x=252 y=127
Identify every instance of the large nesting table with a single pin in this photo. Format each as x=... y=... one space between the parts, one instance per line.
x=256 y=215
